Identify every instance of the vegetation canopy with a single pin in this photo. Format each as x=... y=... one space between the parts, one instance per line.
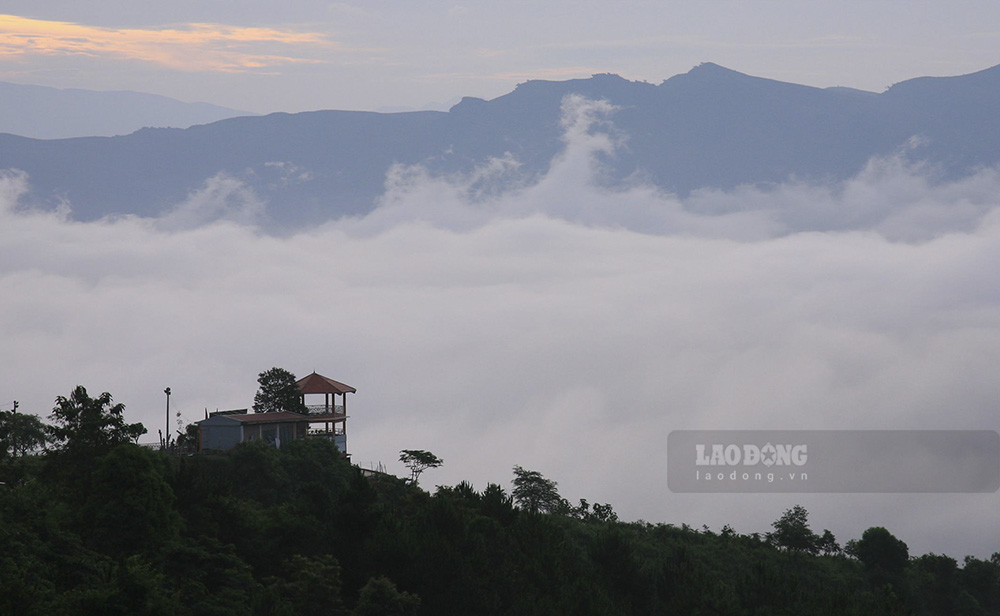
x=278 y=392
x=418 y=461
x=21 y=434
x=534 y=493
x=298 y=531
x=90 y=426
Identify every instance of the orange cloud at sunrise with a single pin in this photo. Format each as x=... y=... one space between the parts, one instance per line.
x=189 y=47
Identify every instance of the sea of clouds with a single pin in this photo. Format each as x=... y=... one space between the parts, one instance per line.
x=560 y=325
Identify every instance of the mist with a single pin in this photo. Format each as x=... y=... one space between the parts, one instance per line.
x=560 y=324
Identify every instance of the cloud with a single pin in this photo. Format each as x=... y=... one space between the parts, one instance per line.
x=186 y=47
x=559 y=325
x=222 y=198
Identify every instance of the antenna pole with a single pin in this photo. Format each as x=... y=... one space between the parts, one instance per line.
x=166 y=438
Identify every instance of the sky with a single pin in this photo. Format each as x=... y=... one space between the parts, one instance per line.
x=558 y=326
x=544 y=326
x=377 y=55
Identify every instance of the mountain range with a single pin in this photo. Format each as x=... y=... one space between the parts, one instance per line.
x=54 y=113
x=708 y=128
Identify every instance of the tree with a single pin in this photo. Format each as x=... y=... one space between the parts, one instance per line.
x=90 y=426
x=20 y=434
x=883 y=555
x=599 y=512
x=311 y=585
x=187 y=439
x=380 y=597
x=791 y=531
x=534 y=493
x=827 y=544
x=130 y=505
x=418 y=461
x=278 y=392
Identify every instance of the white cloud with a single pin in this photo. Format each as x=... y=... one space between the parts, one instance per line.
x=222 y=198
x=546 y=326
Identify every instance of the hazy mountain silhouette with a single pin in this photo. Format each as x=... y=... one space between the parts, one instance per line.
x=53 y=113
x=710 y=127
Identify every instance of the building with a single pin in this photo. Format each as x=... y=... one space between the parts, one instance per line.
x=223 y=430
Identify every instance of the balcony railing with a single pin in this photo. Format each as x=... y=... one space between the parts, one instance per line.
x=324 y=433
x=322 y=409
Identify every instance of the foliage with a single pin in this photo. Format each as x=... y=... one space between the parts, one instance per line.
x=278 y=392
x=187 y=439
x=791 y=531
x=90 y=426
x=20 y=434
x=599 y=512
x=883 y=555
x=879 y=549
x=418 y=460
x=534 y=493
x=310 y=586
x=827 y=544
x=295 y=531
x=380 y=597
x=130 y=506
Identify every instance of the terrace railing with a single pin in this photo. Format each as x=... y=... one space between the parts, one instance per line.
x=322 y=409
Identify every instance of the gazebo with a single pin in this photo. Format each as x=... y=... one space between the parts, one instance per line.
x=332 y=415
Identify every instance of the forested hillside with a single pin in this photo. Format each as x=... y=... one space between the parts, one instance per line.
x=97 y=525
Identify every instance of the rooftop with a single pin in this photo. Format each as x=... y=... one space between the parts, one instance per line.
x=277 y=417
x=319 y=384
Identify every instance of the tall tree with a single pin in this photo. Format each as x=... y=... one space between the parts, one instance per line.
x=792 y=532
x=278 y=392
x=90 y=426
x=534 y=493
x=883 y=555
x=418 y=461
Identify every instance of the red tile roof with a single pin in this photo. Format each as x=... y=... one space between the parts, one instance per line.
x=319 y=384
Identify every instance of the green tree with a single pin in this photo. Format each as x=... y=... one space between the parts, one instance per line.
x=187 y=439
x=418 y=461
x=130 y=505
x=792 y=532
x=311 y=585
x=599 y=513
x=534 y=493
x=827 y=544
x=20 y=434
x=278 y=392
x=379 y=597
x=884 y=556
x=90 y=426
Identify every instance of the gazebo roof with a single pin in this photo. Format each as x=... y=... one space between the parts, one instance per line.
x=319 y=384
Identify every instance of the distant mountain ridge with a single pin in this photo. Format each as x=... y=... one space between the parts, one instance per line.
x=53 y=113
x=708 y=128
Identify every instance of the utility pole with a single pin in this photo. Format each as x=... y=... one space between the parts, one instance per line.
x=15 y=406
x=166 y=436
